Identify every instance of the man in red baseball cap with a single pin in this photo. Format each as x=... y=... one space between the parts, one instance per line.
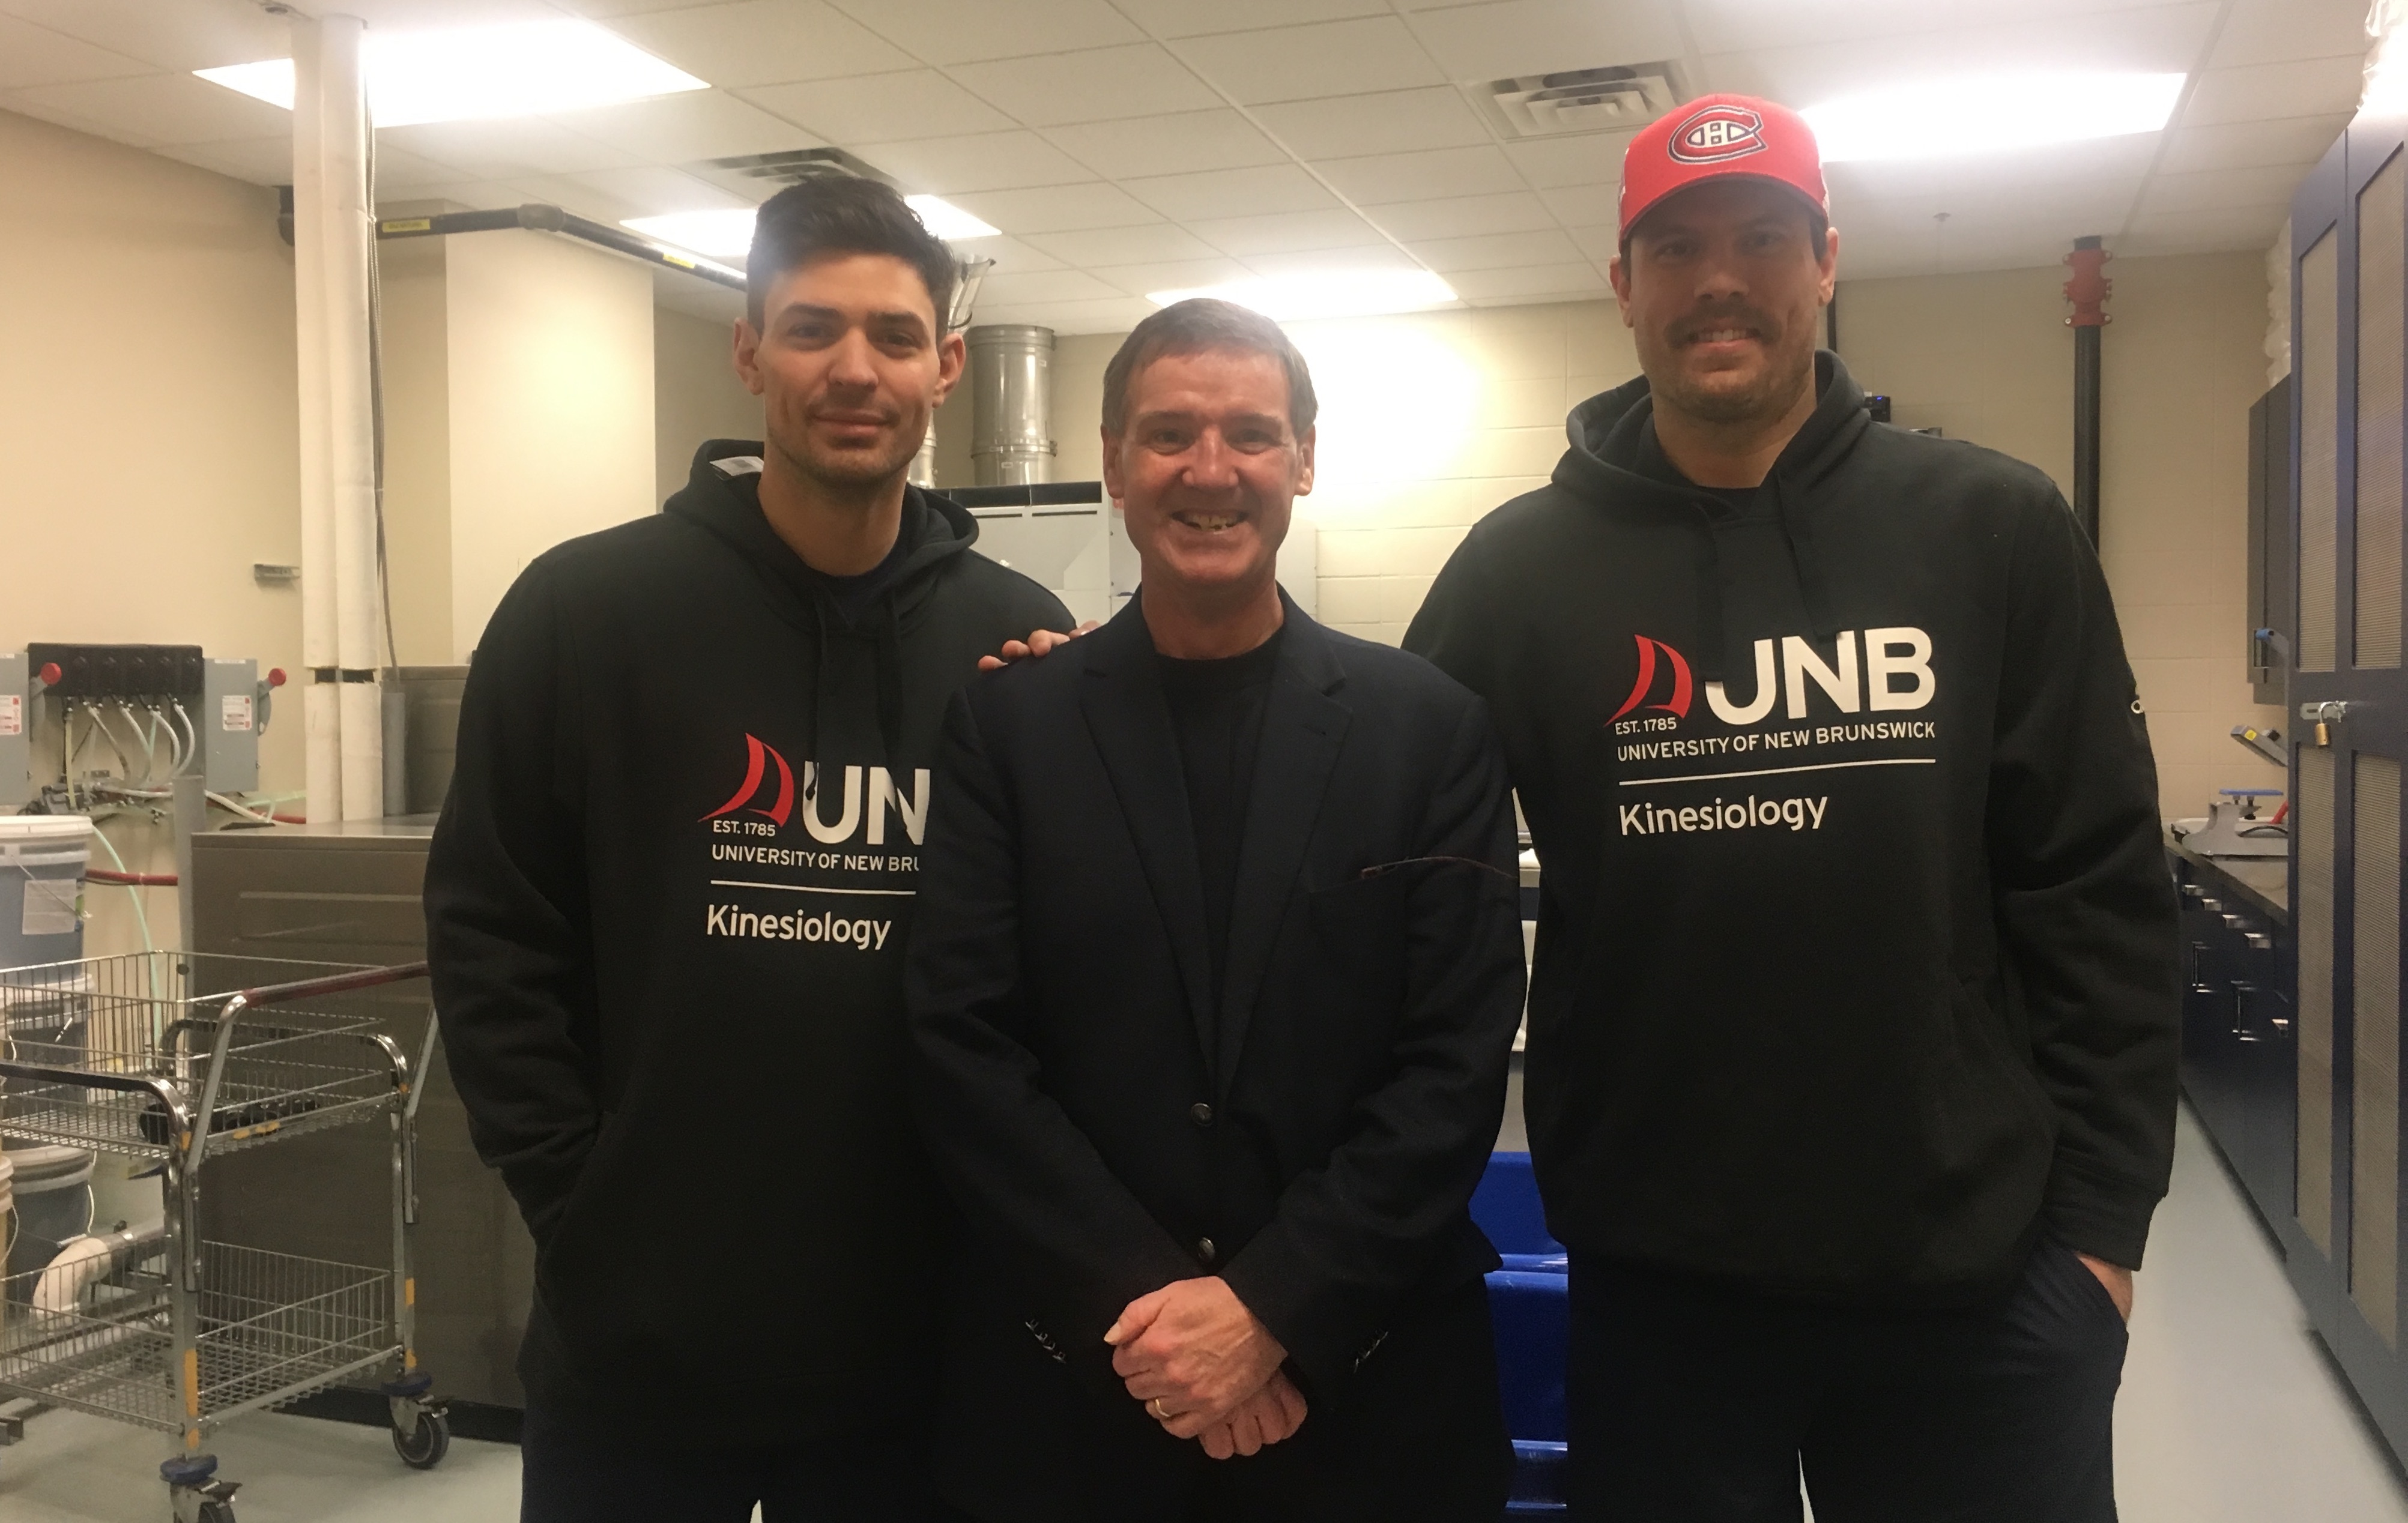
x=1853 y=1021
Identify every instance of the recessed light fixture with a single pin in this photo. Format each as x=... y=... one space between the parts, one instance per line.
x=529 y=69
x=1945 y=119
x=1333 y=294
x=728 y=234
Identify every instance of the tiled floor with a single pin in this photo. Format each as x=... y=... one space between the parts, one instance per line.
x=2230 y=1414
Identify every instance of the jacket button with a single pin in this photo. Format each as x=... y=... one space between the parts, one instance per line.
x=1200 y=1112
x=1204 y=1249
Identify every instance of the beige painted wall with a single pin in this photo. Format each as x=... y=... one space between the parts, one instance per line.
x=1430 y=421
x=696 y=394
x=551 y=403
x=148 y=424
x=1988 y=358
x=412 y=273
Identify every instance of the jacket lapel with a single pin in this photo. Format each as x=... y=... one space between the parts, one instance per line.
x=1125 y=713
x=1303 y=731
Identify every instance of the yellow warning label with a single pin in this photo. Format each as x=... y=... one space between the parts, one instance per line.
x=407 y=224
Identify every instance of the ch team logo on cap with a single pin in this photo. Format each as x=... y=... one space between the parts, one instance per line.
x=1717 y=134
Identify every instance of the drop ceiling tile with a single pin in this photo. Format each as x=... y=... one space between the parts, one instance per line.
x=1095 y=85
x=1546 y=36
x=178 y=35
x=685 y=128
x=1231 y=193
x=35 y=55
x=1179 y=275
x=2275 y=31
x=764 y=42
x=2251 y=145
x=1057 y=208
x=1044 y=286
x=1392 y=122
x=1311 y=61
x=262 y=160
x=1571 y=280
x=1177 y=144
x=1365 y=258
x=1286 y=233
x=1186 y=18
x=167 y=109
x=1601 y=244
x=1427 y=176
x=1002 y=161
x=1585 y=206
x=1116 y=316
x=427 y=15
x=1010 y=255
x=1154 y=243
x=1497 y=251
x=947 y=31
x=1588 y=159
x=1464 y=216
x=398 y=170
x=628 y=7
x=506 y=148
x=880 y=107
x=2222 y=190
x=2162 y=38
x=654 y=190
x=2200 y=232
x=2269 y=91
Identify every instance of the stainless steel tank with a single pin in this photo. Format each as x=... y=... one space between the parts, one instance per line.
x=1011 y=405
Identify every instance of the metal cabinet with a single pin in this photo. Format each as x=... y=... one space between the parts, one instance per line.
x=2240 y=1061
x=349 y=893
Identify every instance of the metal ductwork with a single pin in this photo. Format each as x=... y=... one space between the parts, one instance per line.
x=1011 y=405
x=968 y=274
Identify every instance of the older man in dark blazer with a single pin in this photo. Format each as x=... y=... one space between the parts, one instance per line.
x=1216 y=965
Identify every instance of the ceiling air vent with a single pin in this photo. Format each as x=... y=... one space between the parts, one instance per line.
x=792 y=166
x=1617 y=99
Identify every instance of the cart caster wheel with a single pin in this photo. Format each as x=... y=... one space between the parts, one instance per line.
x=217 y=1512
x=423 y=1448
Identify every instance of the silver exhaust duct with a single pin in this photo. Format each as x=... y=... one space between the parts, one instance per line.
x=969 y=276
x=1011 y=405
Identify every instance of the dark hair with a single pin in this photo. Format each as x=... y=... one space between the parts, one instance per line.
x=841 y=214
x=1193 y=326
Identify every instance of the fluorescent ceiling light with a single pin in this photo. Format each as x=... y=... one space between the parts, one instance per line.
x=726 y=234
x=729 y=233
x=1334 y=293
x=1948 y=119
x=530 y=68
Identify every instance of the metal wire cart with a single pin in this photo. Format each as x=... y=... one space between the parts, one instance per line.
x=178 y=1058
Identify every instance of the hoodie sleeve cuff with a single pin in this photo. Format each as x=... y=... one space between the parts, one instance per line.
x=2106 y=1218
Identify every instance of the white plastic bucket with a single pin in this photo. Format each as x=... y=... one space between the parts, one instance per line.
x=42 y=864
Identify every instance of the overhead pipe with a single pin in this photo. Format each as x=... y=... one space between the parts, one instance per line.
x=333 y=229
x=541 y=218
x=2088 y=291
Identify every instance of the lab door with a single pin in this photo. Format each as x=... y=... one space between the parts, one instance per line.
x=2349 y=699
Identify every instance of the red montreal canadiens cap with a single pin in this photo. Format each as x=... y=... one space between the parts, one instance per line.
x=1720 y=134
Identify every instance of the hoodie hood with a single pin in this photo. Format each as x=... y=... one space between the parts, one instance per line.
x=1614 y=459
x=722 y=495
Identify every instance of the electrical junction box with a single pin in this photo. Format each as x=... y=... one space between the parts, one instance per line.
x=121 y=671
x=16 y=732
x=232 y=713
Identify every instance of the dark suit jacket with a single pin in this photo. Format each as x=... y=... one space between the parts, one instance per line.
x=1314 y=1140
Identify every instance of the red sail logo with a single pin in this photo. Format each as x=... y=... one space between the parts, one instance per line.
x=1677 y=702
x=756 y=767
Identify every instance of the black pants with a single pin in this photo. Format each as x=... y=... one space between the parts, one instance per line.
x=1696 y=1403
x=571 y=1473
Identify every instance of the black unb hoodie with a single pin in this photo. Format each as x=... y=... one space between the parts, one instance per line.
x=1855 y=958
x=667 y=908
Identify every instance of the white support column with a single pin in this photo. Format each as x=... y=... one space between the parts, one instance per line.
x=335 y=224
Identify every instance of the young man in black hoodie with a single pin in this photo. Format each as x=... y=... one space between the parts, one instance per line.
x=667 y=908
x=1851 y=1032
